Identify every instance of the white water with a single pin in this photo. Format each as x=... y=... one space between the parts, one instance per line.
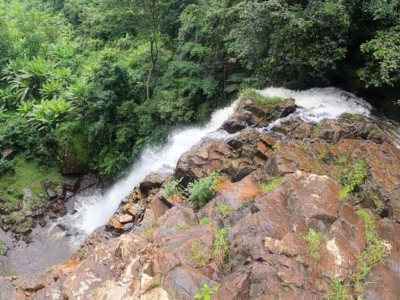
x=320 y=103
x=96 y=210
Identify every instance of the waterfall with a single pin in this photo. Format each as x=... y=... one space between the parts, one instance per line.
x=97 y=209
x=314 y=105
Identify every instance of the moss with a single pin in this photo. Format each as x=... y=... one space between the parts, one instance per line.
x=28 y=174
x=205 y=221
x=351 y=177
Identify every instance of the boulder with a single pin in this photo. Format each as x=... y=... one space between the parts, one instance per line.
x=52 y=194
x=234 y=125
x=9 y=153
x=70 y=165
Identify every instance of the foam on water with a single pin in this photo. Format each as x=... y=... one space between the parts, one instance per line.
x=97 y=209
x=320 y=103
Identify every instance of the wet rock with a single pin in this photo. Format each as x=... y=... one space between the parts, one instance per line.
x=158 y=206
x=70 y=165
x=52 y=194
x=72 y=184
x=234 y=125
x=285 y=108
x=125 y=219
x=9 y=153
x=154 y=180
x=42 y=223
x=9 y=291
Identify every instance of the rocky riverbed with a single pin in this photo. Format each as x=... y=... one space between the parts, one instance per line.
x=308 y=211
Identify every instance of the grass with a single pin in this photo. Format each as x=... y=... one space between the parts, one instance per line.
x=314 y=240
x=338 y=291
x=252 y=94
x=3 y=249
x=198 y=255
x=173 y=188
x=225 y=210
x=178 y=227
x=28 y=174
x=272 y=186
x=221 y=247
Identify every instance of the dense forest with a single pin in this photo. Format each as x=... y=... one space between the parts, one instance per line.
x=97 y=79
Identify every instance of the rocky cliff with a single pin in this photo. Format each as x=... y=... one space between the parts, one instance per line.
x=304 y=211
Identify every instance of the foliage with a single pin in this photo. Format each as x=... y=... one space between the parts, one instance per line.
x=272 y=186
x=206 y=292
x=258 y=98
x=225 y=210
x=351 y=177
x=205 y=221
x=202 y=190
x=173 y=188
x=314 y=240
x=338 y=291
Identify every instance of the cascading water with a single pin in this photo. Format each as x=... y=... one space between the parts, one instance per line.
x=314 y=105
x=97 y=209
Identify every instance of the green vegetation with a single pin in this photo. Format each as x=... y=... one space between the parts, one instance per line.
x=205 y=221
x=27 y=174
x=6 y=167
x=338 y=291
x=375 y=252
x=258 y=98
x=3 y=249
x=178 y=227
x=221 y=247
x=272 y=186
x=351 y=177
x=225 y=210
x=201 y=191
x=198 y=254
x=314 y=240
x=206 y=292
x=173 y=188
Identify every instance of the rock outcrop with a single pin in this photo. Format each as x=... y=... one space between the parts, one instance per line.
x=305 y=211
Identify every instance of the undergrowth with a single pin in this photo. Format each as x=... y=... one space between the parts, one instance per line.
x=3 y=249
x=173 y=188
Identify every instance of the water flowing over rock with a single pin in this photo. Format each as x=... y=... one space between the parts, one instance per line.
x=302 y=209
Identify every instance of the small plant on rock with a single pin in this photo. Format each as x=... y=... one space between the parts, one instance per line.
x=198 y=254
x=272 y=186
x=173 y=188
x=352 y=177
x=225 y=210
x=314 y=240
x=338 y=291
x=3 y=249
x=205 y=221
x=221 y=247
x=201 y=191
x=206 y=292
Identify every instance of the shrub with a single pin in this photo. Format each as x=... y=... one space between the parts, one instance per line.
x=201 y=191
x=6 y=167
